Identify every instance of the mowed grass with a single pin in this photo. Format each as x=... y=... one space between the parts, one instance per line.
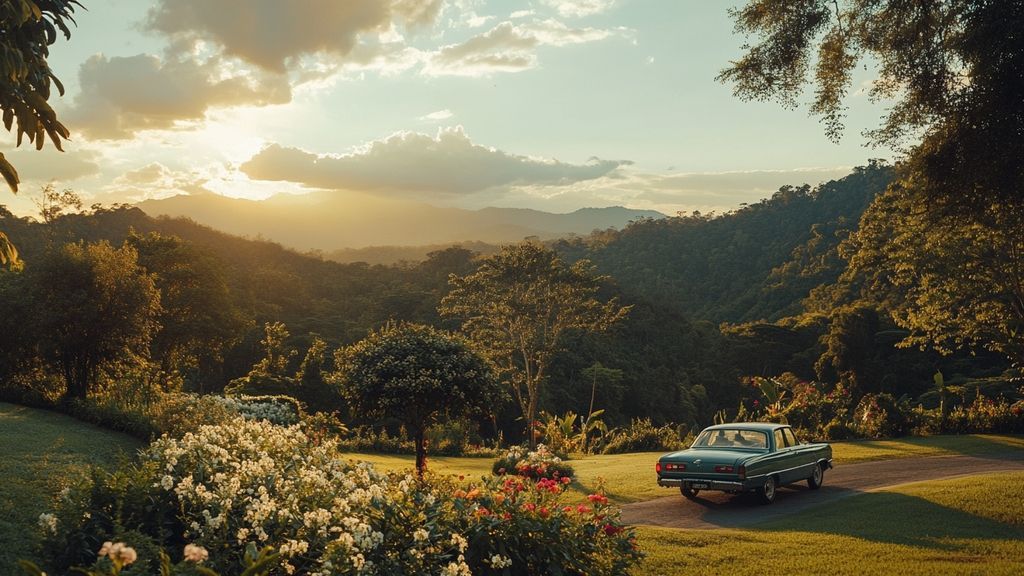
x=40 y=452
x=959 y=526
x=631 y=477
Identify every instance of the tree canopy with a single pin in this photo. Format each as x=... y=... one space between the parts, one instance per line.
x=415 y=374
x=94 y=306
x=952 y=72
x=27 y=29
x=518 y=307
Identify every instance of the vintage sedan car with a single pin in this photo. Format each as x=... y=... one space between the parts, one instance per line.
x=745 y=457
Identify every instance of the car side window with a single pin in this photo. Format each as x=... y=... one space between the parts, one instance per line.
x=779 y=442
x=790 y=437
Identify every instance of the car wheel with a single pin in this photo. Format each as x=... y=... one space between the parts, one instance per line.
x=688 y=492
x=767 y=492
x=817 y=477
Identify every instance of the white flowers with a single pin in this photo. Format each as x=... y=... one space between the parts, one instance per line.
x=195 y=553
x=420 y=535
x=48 y=522
x=167 y=482
x=498 y=561
x=119 y=553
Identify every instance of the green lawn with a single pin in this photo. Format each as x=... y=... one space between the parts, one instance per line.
x=630 y=477
x=39 y=452
x=938 y=527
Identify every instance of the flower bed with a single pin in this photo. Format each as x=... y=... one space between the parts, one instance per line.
x=250 y=485
x=538 y=464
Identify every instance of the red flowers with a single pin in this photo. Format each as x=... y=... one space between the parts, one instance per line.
x=599 y=499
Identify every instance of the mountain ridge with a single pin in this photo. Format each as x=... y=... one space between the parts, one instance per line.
x=338 y=221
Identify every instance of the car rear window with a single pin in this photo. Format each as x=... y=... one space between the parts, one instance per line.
x=731 y=438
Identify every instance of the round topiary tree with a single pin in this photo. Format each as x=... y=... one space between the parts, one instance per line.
x=417 y=375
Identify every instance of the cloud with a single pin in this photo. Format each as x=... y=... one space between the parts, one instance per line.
x=437 y=116
x=123 y=95
x=667 y=192
x=269 y=33
x=413 y=164
x=507 y=47
x=579 y=8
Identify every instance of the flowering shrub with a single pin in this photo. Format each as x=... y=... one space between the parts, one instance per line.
x=881 y=416
x=538 y=464
x=250 y=484
x=281 y=410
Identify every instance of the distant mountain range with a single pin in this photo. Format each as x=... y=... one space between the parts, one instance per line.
x=332 y=221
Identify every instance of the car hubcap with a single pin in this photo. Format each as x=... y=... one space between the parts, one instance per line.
x=769 y=489
x=817 y=475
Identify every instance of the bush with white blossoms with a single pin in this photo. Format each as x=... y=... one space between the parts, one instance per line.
x=537 y=464
x=250 y=484
x=275 y=409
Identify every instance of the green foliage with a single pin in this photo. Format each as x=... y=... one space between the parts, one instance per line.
x=30 y=28
x=199 y=319
x=643 y=436
x=520 y=304
x=93 y=307
x=417 y=375
x=951 y=282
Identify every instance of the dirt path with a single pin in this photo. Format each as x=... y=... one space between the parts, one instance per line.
x=719 y=510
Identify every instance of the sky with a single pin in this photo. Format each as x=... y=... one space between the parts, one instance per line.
x=547 y=104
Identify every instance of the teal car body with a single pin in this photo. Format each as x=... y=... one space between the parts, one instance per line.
x=744 y=457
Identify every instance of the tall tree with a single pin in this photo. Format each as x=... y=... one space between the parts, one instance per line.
x=952 y=71
x=417 y=375
x=199 y=319
x=27 y=29
x=519 y=305
x=953 y=285
x=94 y=306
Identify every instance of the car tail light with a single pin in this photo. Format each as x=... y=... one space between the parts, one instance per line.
x=742 y=472
x=723 y=468
x=675 y=466
x=657 y=467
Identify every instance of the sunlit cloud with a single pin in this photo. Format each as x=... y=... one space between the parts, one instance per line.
x=120 y=96
x=420 y=166
x=579 y=8
x=508 y=47
x=437 y=115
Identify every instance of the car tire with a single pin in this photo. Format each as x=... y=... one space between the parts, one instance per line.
x=688 y=493
x=766 y=493
x=816 y=478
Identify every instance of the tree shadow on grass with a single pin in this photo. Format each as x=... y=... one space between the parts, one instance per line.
x=894 y=518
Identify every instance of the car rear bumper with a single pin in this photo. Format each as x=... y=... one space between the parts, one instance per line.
x=724 y=485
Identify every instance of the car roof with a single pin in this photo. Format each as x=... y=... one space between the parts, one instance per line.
x=754 y=426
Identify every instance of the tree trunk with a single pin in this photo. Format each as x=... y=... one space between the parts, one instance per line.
x=421 y=452
x=531 y=416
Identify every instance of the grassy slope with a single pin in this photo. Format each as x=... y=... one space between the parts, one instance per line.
x=938 y=527
x=630 y=477
x=39 y=452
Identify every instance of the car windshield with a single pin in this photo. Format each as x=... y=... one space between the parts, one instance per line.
x=731 y=438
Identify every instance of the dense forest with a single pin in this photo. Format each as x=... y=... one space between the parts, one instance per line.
x=715 y=300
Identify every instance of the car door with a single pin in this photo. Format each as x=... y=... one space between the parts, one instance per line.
x=787 y=462
x=802 y=456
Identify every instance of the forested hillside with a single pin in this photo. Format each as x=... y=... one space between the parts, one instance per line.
x=715 y=299
x=756 y=263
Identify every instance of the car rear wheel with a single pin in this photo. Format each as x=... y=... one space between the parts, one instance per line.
x=688 y=492
x=816 y=478
x=767 y=492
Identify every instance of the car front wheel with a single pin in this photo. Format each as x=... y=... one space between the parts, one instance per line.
x=688 y=492
x=767 y=492
x=816 y=478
